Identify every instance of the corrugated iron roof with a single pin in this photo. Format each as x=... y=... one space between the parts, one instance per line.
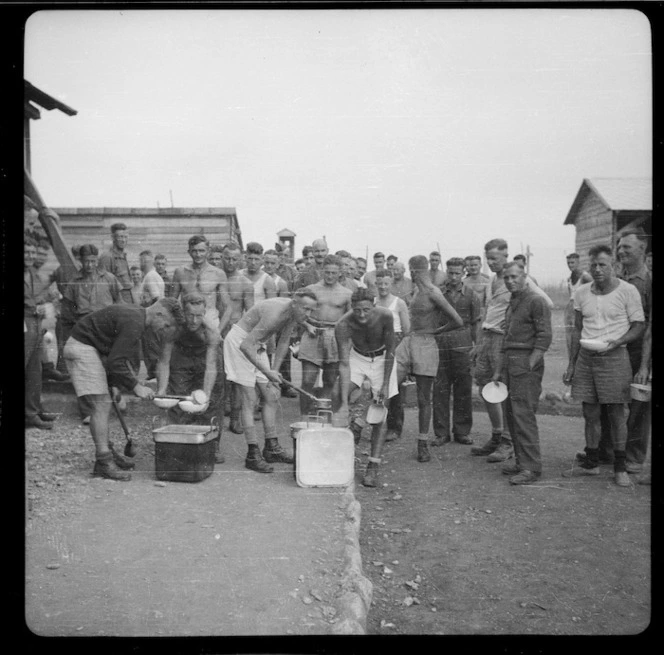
x=616 y=193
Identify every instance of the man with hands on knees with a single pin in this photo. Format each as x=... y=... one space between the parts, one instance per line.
x=366 y=343
x=246 y=363
x=193 y=360
x=528 y=335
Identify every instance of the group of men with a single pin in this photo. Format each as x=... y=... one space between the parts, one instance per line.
x=230 y=331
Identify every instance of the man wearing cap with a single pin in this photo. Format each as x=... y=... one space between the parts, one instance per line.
x=115 y=260
x=527 y=337
x=365 y=340
x=417 y=354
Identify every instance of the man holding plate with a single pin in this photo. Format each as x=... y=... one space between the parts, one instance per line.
x=609 y=311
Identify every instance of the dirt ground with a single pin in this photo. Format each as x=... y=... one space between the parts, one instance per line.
x=452 y=549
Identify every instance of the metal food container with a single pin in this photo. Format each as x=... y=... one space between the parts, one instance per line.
x=185 y=453
x=324 y=455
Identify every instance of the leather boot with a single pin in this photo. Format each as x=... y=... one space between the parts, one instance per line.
x=488 y=447
x=273 y=452
x=255 y=462
x=423 y=454
x=105 y=467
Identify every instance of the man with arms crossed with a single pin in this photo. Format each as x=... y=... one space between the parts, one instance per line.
x=610 y=310
x=417 y=354
x=486 y=353
x=365 y=339
x=247 y=365
x=318 y=345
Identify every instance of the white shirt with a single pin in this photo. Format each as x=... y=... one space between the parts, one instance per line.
x=395 y=314
x=607 y=317
x=153 y=286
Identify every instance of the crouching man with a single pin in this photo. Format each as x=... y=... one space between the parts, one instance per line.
x=193 y=360
x=247 y=364
x=366 y=342
x=114 y=334
x=521 y=365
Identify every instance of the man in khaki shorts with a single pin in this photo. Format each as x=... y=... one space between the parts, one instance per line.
x=365 y=339
x=114 y=334
x=247 y=365
x=318 y=345
x=417 y=354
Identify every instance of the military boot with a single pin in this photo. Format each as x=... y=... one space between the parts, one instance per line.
x=273 y=452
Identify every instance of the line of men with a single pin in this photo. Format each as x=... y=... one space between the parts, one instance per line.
x=434 y=335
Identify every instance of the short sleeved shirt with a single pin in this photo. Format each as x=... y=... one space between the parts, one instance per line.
x=607 y=317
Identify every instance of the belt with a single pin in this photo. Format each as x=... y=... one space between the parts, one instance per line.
x=371 y=353
x=321 y=324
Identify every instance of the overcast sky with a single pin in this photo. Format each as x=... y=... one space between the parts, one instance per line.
x=395 y=130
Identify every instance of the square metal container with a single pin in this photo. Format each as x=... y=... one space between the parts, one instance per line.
x=324 y=456
x=184 y=453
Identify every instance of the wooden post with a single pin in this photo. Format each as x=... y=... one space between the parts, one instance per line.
x=52 y=228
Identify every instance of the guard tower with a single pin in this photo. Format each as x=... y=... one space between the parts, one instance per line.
x=287 y=241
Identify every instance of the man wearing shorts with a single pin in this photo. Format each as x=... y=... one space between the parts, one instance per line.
x=246 y=364
x=104 y=350
x=486 y=353
x=193 y=360
x=365 y=339
x=318 y=345
x=417 y=354
x=608 y=309
x=241 y=294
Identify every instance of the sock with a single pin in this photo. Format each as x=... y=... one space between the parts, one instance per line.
x=619 y=461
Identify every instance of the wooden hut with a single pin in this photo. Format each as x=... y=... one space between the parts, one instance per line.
x=606 y=206
x=161 y=230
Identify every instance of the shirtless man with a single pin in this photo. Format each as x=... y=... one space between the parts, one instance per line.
x=436 y=274
x=346 y=279
x=318 y=346
x=204 y=278
x=365 y=339
x=264 y=286
x=479 y=282
x=270 y=265
x=417 y=354
x=246 y=363
x=241 y=294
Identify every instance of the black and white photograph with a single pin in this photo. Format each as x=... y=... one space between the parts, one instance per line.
x=337 y=322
